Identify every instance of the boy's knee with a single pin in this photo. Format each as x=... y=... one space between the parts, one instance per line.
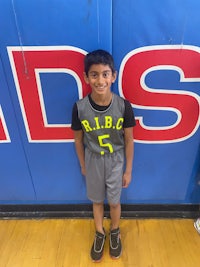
x=114 y=206
x=98 y=205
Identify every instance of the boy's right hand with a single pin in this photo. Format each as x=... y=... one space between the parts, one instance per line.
x=83 y=170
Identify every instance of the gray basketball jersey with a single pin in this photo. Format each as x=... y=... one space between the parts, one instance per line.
x=103 y=130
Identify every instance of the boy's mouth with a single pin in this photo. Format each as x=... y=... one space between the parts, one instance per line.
x=102 y=87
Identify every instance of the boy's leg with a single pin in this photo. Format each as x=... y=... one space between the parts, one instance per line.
x=115 y=237
x=99 y=240
x=115 y=214
x=113 y=189
x=98 y=213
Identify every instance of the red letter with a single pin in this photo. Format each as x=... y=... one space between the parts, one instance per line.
x=27 y=63
x=134 y=68
x=4 y=135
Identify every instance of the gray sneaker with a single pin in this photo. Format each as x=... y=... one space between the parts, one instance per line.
x=96 y=252
x=115 y=244
x=197 y=225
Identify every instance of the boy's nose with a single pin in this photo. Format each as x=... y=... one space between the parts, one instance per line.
x=100 y=79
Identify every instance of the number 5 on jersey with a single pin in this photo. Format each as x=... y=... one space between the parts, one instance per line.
x=102 y=144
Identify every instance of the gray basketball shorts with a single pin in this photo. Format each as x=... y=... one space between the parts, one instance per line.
x=104 y=176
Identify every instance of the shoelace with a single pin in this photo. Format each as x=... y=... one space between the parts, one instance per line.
x=98 y=243
x=114 y=240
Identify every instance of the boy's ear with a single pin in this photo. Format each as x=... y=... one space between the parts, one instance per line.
x=114 y=76
x=85 y=77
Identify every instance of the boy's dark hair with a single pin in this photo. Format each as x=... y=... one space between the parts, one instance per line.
x=98 y=57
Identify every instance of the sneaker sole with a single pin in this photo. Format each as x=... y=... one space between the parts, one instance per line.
x=116 y=258
x=97 y=261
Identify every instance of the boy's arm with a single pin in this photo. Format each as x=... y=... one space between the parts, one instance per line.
x=78 y=137
x=129 y=150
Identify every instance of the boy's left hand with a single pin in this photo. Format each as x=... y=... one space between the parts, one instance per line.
x=126 y=180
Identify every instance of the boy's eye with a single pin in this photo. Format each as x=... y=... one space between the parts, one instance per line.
x=93 y=75
x=106 y=74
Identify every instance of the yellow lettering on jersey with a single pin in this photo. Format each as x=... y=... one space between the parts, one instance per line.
x=86 y=125
x=108 y=122
x=97 y=123
x=104 y=142
x=119 y=123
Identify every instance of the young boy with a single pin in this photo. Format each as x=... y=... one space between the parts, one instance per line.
x=103 y=128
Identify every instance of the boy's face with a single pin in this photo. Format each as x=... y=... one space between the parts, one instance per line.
x=100 y=78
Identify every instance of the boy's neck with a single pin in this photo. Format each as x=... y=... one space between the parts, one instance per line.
x=102 y=100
